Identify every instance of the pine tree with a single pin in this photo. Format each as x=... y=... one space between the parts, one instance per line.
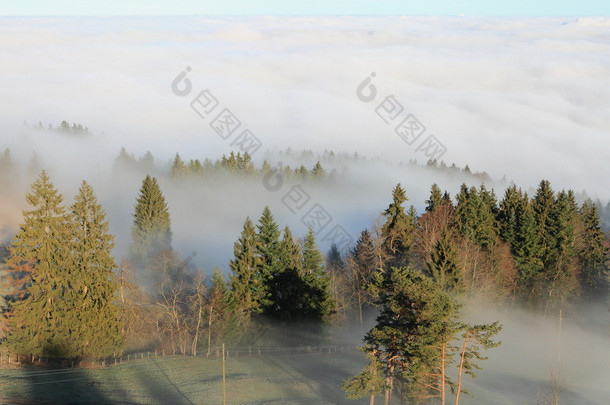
x=593 y=253
x=267 y=248
x=528 y=253
x=474 y=215
x=435 y=200
x=94 y=318
x=286 y=286
x=147 y=162
x=319 y=304
x=561 y=254
x=443 y=264
x=318 y=172
x=543 y=203
x=417 y=320
x=124 y=161
x=247 y=288
x=151 y=226
x=362 y=265
x=511 y=207
x=397 y=232
x=178 y=169
x=39 y=257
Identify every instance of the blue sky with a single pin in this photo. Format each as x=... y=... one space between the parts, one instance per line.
x=311 y=7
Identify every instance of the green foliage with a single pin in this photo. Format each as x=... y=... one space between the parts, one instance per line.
x=96 y=329
x=370 y=381
x=63 y=287
x=476 y=337
x=435 y=200
x=593 y=252
x=151 y=231
x=416 y=320
x=474 y=215
x=247 y=286
x=318 y=304
x=444 y=266
x=397 y=231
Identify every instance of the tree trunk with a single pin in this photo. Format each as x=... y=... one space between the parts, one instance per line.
x=443 y=374
x=372 y=401
x=196 y=338
x=389 y=383
x=459 y=386
x=209 y=334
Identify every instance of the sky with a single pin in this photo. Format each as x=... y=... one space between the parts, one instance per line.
x=309 y=8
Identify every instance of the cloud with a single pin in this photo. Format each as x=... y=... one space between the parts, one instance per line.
x=525 y=97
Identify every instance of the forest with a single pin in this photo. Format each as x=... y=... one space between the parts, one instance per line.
x=403 y=280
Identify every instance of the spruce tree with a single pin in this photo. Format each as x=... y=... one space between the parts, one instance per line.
x=443 y=264
x=435 y=200
x=267 y=248
x=319 y=304
x=543 y=203
x=474 y=215
x=397 y=232
x=286 y=287
x=528 y=253
x=38 y=263
x=94 y=318
x=178 y=169
x=151 y=226
x=247 y=288
x=593 y=253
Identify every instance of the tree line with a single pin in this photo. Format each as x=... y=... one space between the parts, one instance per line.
x=67 y=297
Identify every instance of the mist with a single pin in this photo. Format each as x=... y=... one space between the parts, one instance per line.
x=520 y=99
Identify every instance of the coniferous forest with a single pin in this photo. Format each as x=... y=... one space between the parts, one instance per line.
x=404 y=281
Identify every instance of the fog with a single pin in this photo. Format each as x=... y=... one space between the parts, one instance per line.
x=533 y=347
x=524 y=98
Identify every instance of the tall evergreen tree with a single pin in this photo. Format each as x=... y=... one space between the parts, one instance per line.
x=435 y=200
x=94 y=318
x=444 y=266
x=267 y=248
x=397 y=231
x=151 y=226
x=319 y=304
x=561 y=255
x=178 y=169
x=543 y=203
x=528 y=253
x=593 y=253
x=39 y=257
x=247 y=288
x=474 y=216
x=286 y=287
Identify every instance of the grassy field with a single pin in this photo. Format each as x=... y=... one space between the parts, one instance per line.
x=287 y=379
x=304 y=378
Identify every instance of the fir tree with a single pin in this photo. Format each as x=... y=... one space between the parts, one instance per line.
x=267 y=248
x=95 y=325
x=318 y=305
x=178 y=169
x=593 y=253
x=435 y=200
x=397 y=232
x=247 y=288
x=542 y=204
x=151 y=231
x=528 y=253
x=286 y=286
x=443 y=264
x=318 y=172
x=39 y=257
